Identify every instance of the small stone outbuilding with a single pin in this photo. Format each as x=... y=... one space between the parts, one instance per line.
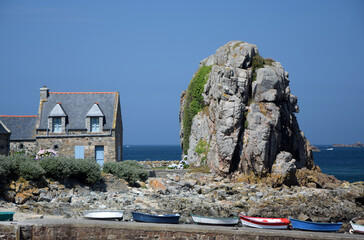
x=74 y=124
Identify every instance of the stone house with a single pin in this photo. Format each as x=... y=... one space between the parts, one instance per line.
x=78 y=124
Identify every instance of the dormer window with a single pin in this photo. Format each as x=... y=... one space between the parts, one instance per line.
x=57 y=119
x=95 y=119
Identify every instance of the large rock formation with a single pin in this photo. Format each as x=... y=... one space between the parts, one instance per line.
x=245 y=122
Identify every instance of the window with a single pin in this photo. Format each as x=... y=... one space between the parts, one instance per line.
x=95 y=124
x=57 y=124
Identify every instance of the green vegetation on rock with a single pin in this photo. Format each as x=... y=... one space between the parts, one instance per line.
x=194 y=102
x=259 y=62
x=202 y=148
x=130 y=171
x=246 y=123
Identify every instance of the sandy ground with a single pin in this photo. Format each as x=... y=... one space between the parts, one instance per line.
x=20 y=216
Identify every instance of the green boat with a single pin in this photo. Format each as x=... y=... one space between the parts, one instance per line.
x=6 y=216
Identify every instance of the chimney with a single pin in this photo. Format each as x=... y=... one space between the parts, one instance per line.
x=44 y=93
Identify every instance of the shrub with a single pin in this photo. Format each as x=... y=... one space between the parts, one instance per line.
x=130 y=171
x=194 y=102
x=31 y=170
x=56 y=168
x=84 y=170
x=183 y=164
x=15 y=166
x=110 y=167
x=4 y=167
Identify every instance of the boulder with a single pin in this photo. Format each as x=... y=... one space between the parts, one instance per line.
x=284 y=164
x=248 y=116
x=157 y=185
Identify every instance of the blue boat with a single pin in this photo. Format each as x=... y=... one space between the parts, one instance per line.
x=144 y=217
x=6 y=216
x=315 y=226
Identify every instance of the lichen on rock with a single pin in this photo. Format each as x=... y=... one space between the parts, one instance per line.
x=248 y=115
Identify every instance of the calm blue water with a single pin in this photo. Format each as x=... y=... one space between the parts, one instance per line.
x=152 y=152
x=344 y=163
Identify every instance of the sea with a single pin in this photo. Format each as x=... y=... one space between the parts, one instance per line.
x=344 y=163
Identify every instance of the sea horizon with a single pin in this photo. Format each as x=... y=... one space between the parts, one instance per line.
x=345 y=163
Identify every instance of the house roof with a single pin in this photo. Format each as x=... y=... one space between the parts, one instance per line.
x=77 y=105
x=21 y=127
x=3 y=128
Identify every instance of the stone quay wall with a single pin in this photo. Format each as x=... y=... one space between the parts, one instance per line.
x=87 y=229
x=157 y=164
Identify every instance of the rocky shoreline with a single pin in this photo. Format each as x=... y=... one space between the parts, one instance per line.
x=185 y=193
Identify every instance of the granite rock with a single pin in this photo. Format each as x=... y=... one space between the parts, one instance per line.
x=248 y=117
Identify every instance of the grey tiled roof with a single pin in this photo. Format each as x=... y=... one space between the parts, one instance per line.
x=3 y=129
x=77 y=105
x=21 y=127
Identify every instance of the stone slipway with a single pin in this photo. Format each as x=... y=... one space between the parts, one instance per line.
x=88 y=229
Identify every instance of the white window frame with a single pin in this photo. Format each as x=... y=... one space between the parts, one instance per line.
x=57 y=124
x=94 y=124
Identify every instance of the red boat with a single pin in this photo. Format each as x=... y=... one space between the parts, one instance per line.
x=268 y=223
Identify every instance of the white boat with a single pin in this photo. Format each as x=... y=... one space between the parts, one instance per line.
x=103 y=215
x=356 y=228
x=329 y=149
x=267 y=223
x=214 y=220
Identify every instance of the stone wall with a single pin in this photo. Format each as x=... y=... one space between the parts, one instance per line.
x=82 y=229
x=29 y=146
x=157 y=164
x=65 y=144
x=8 y=231
x=4 y=144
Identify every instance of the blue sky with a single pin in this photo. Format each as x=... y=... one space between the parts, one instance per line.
x=149 y=50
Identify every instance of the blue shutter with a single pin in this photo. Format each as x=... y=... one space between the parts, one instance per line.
x=99 y=155
x=79 y=152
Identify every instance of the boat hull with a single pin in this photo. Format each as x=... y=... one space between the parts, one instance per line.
x=6 y=216
x=214 y=220
x=103 y=215
x=357 y=228
x=315 y=226
x=266 y=223
x=143 y=217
